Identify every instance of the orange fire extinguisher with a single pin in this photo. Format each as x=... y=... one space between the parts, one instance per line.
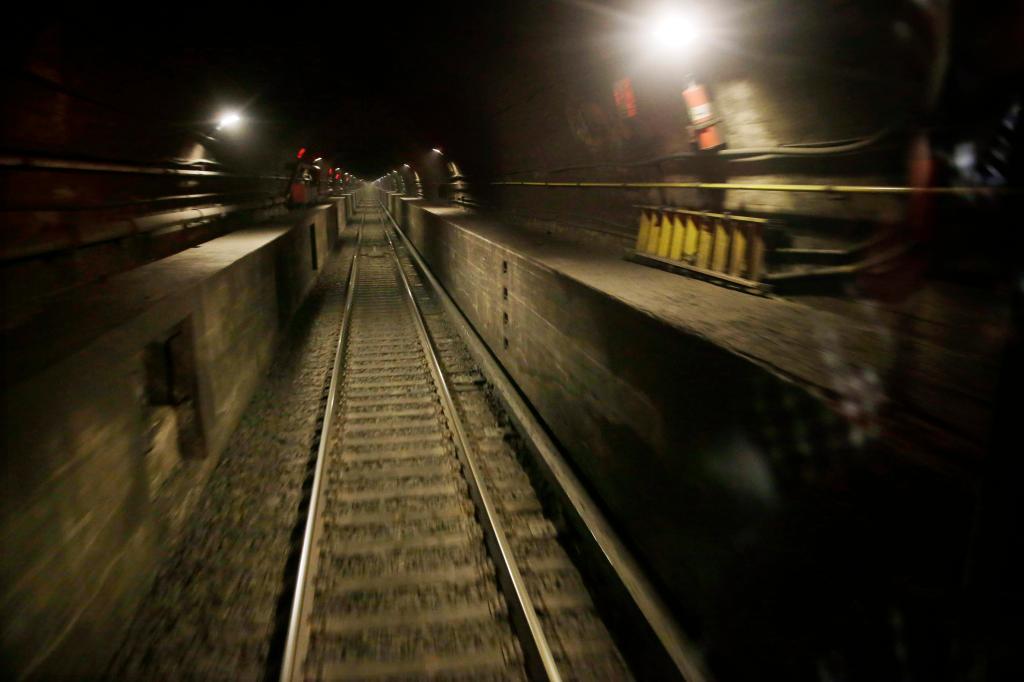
x=703 y=122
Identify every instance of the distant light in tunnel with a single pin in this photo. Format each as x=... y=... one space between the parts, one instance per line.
x=229 y=119
x=438 y=151
x=672 y=31
x=301 y=153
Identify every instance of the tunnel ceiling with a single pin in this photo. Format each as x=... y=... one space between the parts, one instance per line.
x=371 y=84
x=374 y=85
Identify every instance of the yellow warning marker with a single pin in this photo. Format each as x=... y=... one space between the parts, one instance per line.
x=675 y=251
x=721 y=251
x=704 y=242
x=690 y=245
x=645 y=229
x=738 y=254
x=730 y=244
x=665 y=240
x=654 y=236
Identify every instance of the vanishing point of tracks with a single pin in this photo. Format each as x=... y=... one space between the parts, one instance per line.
x=427 y=554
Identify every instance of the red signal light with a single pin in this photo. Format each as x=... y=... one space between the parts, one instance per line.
x=625 y=98
x=301 y=153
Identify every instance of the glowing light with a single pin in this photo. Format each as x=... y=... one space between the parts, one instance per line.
x=229 y=120
x=302 y=152
x=437 y=150
x=673 y=30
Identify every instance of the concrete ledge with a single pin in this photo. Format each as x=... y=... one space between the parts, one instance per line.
x=710 y=425
x=89 y=442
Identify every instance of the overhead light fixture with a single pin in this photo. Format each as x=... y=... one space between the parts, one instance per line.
x=438 y=151
x=229 y=119
x=673 y=30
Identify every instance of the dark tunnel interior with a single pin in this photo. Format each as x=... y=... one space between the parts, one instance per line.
x=519 y=339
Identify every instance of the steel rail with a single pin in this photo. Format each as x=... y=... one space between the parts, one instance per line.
x=301 y=602
x=540 y=662
x=634 y=598
x=21 y=162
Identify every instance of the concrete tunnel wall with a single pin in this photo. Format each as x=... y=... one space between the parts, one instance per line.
x=667 y=428
x=91 y=503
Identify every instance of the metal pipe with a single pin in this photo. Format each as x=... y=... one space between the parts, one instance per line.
x=29 y=163
x=793 y=150
x=217 y=198
x=820 y=189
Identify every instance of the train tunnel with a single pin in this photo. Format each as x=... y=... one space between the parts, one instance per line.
x=521 y=339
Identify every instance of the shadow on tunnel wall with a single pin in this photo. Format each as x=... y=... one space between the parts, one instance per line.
x=771 y=529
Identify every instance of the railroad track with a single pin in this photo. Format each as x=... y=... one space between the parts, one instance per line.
x=427 y=553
